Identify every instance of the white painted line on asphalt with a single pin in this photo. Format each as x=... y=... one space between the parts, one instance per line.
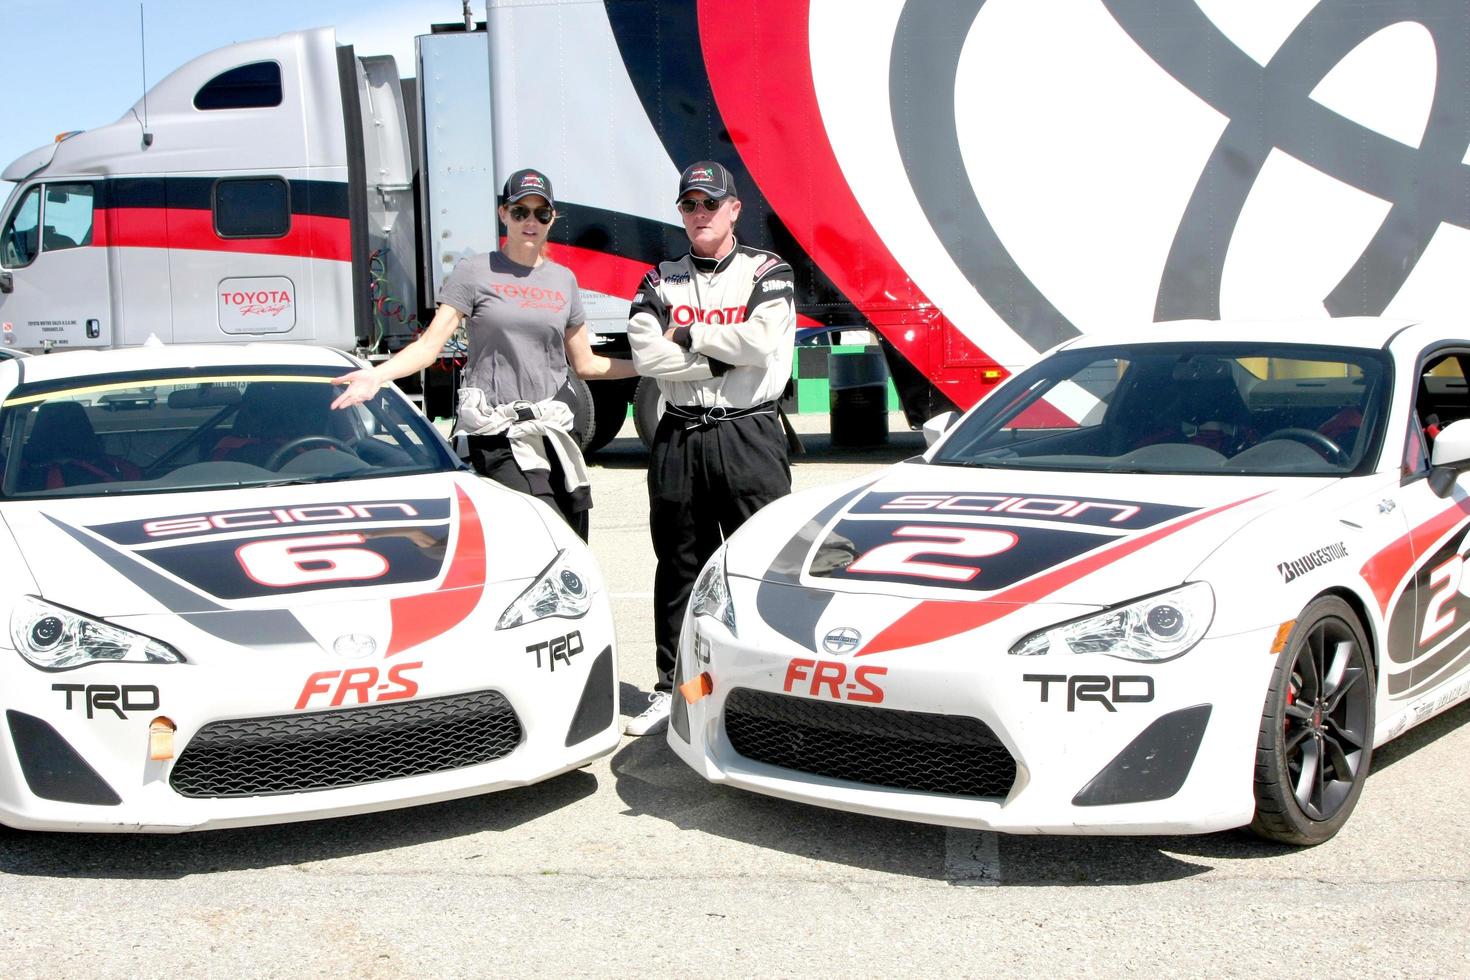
x=630 y=595
x=971 y=857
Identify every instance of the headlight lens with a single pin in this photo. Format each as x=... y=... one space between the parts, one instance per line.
x=1160 y=627
x=55 y=638
x=560 y=590
x=711 y=595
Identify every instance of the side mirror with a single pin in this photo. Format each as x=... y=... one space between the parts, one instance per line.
x=1450 y=457
x=7 y=282
x=937 y=426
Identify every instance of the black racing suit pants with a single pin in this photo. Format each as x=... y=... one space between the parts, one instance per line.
x=704 y=481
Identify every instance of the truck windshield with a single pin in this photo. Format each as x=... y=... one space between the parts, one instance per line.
x=205 y=430
x=1227 y=408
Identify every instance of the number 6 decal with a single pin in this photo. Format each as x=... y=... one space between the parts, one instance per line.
x=897 y=557
x=284 y=562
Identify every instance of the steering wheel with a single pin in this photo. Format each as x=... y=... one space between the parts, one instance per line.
x=1313 y=439
x=276 y=458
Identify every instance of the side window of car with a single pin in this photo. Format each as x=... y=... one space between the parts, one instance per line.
x=252 y=207
x=1442 y=396
x=67 y=222
x=20 y=241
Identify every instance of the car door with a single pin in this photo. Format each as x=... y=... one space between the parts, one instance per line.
x=1429 y=628
x=54 y=284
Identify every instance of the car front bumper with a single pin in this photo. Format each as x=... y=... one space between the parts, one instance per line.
x=1095 y=745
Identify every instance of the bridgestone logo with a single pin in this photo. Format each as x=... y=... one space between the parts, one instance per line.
x=1313 y=559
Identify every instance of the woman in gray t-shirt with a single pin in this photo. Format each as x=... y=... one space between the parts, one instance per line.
x=525 y=323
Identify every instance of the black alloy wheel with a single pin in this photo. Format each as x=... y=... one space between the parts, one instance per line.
x=1316 y=739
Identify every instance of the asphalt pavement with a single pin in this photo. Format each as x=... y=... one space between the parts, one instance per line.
x=635 y=866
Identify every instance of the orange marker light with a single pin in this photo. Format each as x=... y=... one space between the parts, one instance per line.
x=161 y=739
x=701 y=687
x=1282 y=632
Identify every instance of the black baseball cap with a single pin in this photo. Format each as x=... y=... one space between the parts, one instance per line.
x=524 y=183
x=707 y=176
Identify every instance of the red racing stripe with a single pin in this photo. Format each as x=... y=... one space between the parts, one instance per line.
x=419 y=618
x=1385 y=570
x=796 y=168
x=311 y=236
x=933 y=620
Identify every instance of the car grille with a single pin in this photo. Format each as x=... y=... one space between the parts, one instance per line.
x=330 y=749
x=876 y=746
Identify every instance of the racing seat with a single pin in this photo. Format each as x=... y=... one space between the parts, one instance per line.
x=1208 y=403
x=63 y=450
x=272 y=414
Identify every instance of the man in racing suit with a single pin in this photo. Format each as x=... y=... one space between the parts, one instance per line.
x=716 y=327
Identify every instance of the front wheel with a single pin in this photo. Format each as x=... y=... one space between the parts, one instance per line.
x=1316 y=738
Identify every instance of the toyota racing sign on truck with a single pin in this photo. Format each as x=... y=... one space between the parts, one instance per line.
x=972 y=180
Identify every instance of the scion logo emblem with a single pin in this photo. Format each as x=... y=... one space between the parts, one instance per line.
x=355 y=646
x=844 y=639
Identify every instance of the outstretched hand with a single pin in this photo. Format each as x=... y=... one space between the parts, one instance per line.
x=362 y=385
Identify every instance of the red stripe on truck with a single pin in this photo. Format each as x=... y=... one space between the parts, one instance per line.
x=311 y=236
x=791 y=159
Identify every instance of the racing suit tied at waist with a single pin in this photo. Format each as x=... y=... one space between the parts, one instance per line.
x=530 y=427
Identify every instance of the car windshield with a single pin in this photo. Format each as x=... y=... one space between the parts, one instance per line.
x=1230 y=408
x=204 y=429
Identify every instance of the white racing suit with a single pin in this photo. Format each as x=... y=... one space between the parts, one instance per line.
x=719 y=454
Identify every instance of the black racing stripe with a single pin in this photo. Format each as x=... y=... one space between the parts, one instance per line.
x=244 y=627
x=780 y=602
x=925 y=62
x=319 y=198
x=674 y=88
x=158 y=374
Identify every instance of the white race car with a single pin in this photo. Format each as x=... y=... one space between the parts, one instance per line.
x=1173 y=582
x=228 y=604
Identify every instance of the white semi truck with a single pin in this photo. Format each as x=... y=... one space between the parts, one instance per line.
x=971 y=180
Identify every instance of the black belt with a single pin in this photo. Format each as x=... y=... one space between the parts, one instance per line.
x=699 y=416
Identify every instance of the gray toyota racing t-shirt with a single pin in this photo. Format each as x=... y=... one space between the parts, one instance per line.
x=517 y=321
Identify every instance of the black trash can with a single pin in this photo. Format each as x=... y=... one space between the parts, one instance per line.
x=858 y=384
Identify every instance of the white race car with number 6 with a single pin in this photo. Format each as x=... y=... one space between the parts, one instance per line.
x=228 y=604
x=1177 y=581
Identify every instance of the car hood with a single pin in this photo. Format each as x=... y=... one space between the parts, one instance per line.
x=979 y=544
x=254 y=550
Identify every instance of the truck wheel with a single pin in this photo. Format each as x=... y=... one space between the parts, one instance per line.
x=610 y=405
x=645 y=410
x=584 y=414
x=1316 y=740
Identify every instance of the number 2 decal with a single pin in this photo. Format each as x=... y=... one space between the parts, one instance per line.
x=285 y=562
x=897 y=557
x=1445 y=583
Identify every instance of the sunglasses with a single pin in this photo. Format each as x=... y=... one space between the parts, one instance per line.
x=689 y=205
x=519 y=212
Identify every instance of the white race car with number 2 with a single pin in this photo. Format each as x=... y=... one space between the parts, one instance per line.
x=1177 y=581
x=228 y=604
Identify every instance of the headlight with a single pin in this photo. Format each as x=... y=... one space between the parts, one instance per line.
x=560 y=590
x=1161 y=627
x=56 y=638
x=711 y=595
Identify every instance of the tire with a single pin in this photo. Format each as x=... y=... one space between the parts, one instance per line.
x=645 y=410
x=584 y=414
x=1316 y=740
x=610 y=405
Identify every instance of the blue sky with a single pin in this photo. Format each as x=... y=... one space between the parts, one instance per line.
x=76 y=64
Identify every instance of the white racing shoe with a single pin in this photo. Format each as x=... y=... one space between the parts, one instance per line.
x=655 y=717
